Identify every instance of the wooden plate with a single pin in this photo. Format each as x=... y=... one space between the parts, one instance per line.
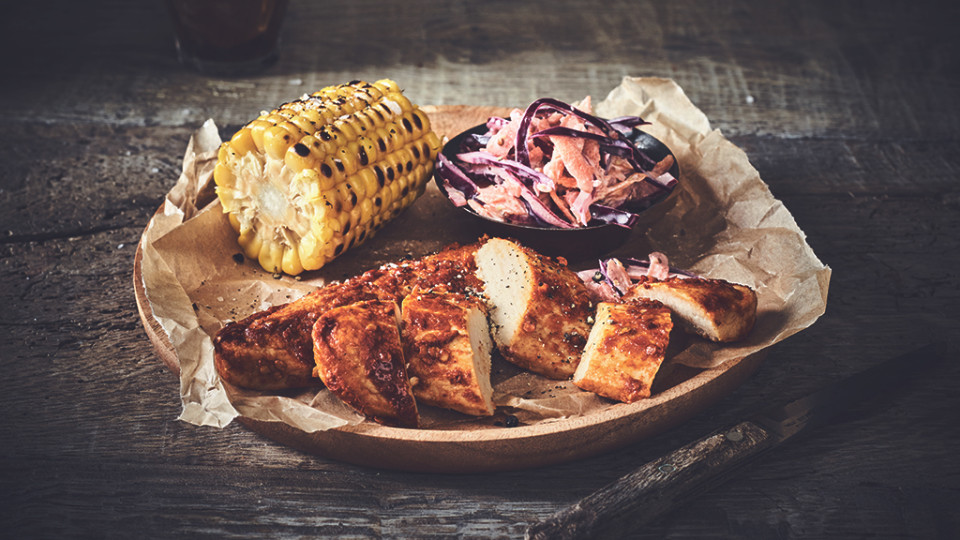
x=686 y=392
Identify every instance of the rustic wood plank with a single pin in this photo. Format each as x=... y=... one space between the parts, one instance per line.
x=849 y=112
x=783 y=69
x=656 y=487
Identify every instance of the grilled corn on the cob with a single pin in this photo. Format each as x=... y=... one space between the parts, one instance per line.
x=304 y=182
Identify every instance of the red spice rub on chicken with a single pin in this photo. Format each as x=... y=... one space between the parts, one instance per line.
x=712 y=308
x=625 y=350
x=539 y=308
x=359 y=358
x=272 y=349
x=447 y=345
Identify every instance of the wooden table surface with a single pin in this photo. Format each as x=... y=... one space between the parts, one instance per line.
x=849 y=110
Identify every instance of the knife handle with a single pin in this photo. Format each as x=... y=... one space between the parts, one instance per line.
x=651 y=490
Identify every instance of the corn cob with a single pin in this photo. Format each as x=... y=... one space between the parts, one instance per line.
x=306 y=181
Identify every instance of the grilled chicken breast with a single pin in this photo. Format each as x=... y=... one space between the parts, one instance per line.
x=272 y=349
x=538 y=308
x=360 y=359
x=446 y=341
x=625 y=349
x=713 y=308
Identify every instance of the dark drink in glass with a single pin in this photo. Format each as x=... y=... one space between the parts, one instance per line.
x=227 y=37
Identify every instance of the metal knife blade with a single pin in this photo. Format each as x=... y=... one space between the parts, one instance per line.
x=662 y=484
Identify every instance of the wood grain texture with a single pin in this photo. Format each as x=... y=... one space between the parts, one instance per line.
x=849 y=111
x=655 y=488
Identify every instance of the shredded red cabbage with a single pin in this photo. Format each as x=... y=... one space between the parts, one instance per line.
x=523 y=155
x=455 y=178
x=605 y=287
x=470 y=167
x=624 y=124
x=528 y=176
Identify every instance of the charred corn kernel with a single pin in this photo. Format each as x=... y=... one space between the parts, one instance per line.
x=382 y=139
x=406 y=127
x=330 y=173
x=404 y=159
x=366 y=151
x=299 y=157
x=344 y=128
x=304 y=124
x=276 y=141
x=393 y=164
x=378 y=221
x=330 y=114
x=367 y=121
x=344 y=222
x=331 y=139
x=306 y=181
x=331 y=202
x=314 y=117
x=374 y=92
x=421 y=122
x=346 y=196
x=431 y=146
x=395 y=139
x=347 y=240
x=349 y=157
x=332 y=250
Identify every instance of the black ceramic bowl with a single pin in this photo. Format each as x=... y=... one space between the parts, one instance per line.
x=573 y=244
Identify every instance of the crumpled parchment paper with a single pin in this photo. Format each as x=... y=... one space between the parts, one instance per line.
x=721 y=222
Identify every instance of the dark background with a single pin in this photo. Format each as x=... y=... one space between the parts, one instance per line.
x=849 y=111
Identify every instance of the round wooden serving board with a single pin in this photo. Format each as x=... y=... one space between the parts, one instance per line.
x=494 y=448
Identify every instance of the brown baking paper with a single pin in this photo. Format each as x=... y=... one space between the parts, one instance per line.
x=722 y=221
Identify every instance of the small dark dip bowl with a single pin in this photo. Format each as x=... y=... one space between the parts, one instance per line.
x=575 y=244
